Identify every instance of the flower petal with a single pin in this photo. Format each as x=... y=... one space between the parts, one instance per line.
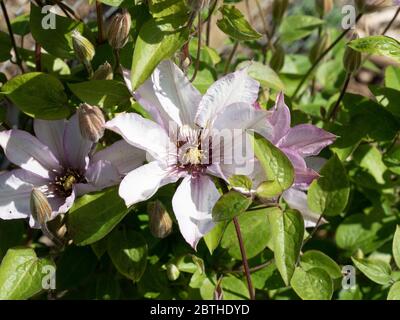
x=142 y=133
x=27 y=152
x=102 y=174
x=306 y=139
x=143 y=182
x=192 y=203
x=51 y=133
x=279 y=119
x=15 y=193
x=177 y=96
x=76 y=148
x=297 y=199
x=233 y=88
x=122 y=156
x=240 y=116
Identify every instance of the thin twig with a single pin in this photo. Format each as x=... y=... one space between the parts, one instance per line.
x=244 y=258
x=199 y=34
x=321 y=56
x=11 y=33
x=228 y=62
x=336 y=108
x=99 y=13
x=209 y=20
x=391 y=21
x=38 y=57
x=254 y=269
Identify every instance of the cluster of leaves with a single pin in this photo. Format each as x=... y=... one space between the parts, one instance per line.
x=112 y=253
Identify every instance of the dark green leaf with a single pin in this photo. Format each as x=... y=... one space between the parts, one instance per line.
x=230 y=205
x=93 y=216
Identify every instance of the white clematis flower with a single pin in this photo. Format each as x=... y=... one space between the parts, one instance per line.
x=184 y=141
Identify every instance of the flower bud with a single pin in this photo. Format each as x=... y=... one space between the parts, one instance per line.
x=91 y=122
x=83 y=48
x=279 y=8
x=352 y=58
x=319 y=47
x=172 y=272
x=160 y=221
x=118 y=31
x=40 y=207
x=324 y=6
x=278 y=58
x=103 y=72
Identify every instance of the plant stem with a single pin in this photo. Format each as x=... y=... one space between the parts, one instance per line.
x=336 y=108
x=322 y=55
x=13 y=43
x=99 y=13
x=199 y=32
x=244 y=258
x=38 y=57
x=228 y=62
x=208 y=19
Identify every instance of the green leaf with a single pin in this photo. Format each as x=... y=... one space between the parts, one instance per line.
x=155 y=43
x=264 y=74
x=113 y=3
x=176 y=9
x=276 y=165
x=296 y=27
x=287 y=235
x=214 y=237
x=329 y=194
x=230 y=205
x=234 y=24
x=392 y=77
x=5 y=46
x=255 y=234
x=365 y=232
x=313 y=284
x=234 y=289
x=39 y=95
x=21 y=274
x=394 y=292
x=376 y=270
x=240 y=181
x=268 y=189
x=379 y=45
x=93 y=216
x=392 y=160
x=56 y=41
x=103 y=93
x=396 y=246
x=128 y=252
x=316 y=259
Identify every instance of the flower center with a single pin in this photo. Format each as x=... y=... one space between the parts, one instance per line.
x=65 y=182
x=193 y=156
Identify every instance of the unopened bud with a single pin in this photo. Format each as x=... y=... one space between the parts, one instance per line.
x=352 y=58
x=324 y=6
x=103 y=72
x=278 y=58
x=172 y=272
x=160 y=221
x=279 y=8
x=118 y=31
x=83 y=48
x=319 y=47
x=40 y=207
x=91 y=122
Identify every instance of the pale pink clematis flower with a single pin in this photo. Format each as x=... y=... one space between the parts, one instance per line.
x=57 y=162
x=183 y=140
x=300 y=144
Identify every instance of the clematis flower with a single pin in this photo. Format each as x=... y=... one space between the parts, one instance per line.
x=184 y=141
x=300 y=144
x=58 y=162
